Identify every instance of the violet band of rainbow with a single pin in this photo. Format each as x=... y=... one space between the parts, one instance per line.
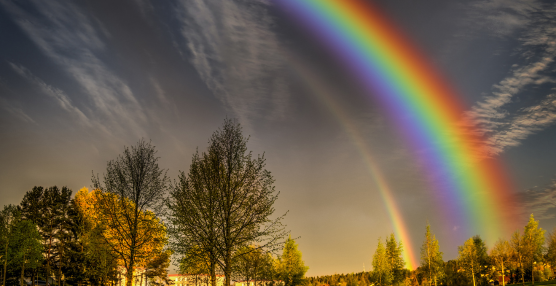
x=471 y=189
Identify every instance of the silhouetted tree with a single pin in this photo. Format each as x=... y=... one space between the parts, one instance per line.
x=133 y=186
x=224 y=202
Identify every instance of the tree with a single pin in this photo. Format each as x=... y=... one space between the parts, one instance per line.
x=533 y=240
x=195 y=262
x=225 y=202
x=431 y=257
x=470 y=258
x=501 y=254
x=26 y=247
x=254 y=264
x=381 y=265
x=396 y=263
x=551 y=247
x=291 y=268
x=47 y=208
x=518 y=251
x=157 y=268
x=8 y=217
x=133 y=189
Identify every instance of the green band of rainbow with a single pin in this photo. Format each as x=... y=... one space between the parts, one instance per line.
x=471 y=190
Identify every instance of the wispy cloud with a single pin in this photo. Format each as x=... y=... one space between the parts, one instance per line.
x=58 y=95
x=503 y=17
x=505 y=127
x=541 y=202
x=70 y=39
x=233 y=48
x=15 y=111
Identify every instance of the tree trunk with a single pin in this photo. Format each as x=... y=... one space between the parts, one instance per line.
x=532 y=273
x=522 y=272
x=503 y=276
x=213 y=275
x=23 y=270
x=129 y=276
x=48 y=261
x=5 y=262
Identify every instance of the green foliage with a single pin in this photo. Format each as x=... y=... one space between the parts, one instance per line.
x=501 y=255
x=533 y=240
x=396 y=263
x=291 y=268
x=431 y=258
x=252 y=263
x=47 y=208
x=473 y=256
x=21 y=245
x=551 y=248
x=381 y=267
x=224 y=202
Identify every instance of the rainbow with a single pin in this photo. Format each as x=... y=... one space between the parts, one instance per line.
x=471 y=188
x=318 y=89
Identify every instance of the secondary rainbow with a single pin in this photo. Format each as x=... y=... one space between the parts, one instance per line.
x=470 y=187
x=322 y=92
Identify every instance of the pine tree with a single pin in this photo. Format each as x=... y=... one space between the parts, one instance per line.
x=394 y=251
x=381 y=265
x=431 y=257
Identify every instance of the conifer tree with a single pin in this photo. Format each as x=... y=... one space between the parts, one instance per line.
x=381 y=265
x=394 y=251
x=431 y=257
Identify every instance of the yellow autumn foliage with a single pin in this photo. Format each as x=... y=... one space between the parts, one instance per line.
x=151 y=234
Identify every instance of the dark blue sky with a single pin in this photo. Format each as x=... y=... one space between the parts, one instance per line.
x=80 y=80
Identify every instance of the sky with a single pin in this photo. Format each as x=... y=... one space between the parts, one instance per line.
x=81 y=80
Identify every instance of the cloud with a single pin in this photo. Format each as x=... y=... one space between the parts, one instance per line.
x=70 y=39
x=503 y=17
x=58 y=95
x=234 y=50
x=16 y=111
x=541 y=202
x=504 y=126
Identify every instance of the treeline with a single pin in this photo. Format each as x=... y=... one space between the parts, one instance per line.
x=52 y=238
x=215 y=219
x=525 y=257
